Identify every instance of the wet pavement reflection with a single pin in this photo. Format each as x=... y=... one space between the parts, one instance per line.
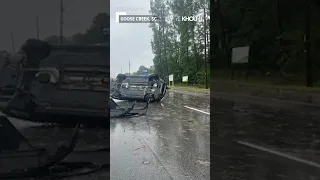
x=251 y=140
x=293 y=131
x=173 y=139
x=258 y=141
x=231 y=161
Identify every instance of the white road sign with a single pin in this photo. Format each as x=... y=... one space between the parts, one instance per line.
x=185 y=79
x=171 y=77
x=240 y=55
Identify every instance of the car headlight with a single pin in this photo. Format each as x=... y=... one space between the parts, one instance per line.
x=125 y=85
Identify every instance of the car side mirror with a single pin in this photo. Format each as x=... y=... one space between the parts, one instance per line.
x=44 y=78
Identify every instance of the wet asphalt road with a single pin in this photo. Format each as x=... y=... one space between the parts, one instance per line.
x=51 y=137
x=252 y=139
x=170 y=142
x=264 y=139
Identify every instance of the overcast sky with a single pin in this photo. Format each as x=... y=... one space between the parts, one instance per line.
x=19 y=17
x=129 y=41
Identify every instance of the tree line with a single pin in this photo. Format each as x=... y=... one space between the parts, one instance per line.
x=93 y=35
x=181 y=48
x=279 y=33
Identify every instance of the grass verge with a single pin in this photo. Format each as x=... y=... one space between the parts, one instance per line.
x=252 y=83
x=201 y=87
x=265 y=82
x=261 y=83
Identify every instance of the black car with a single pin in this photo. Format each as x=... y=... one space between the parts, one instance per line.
x=139 y=88
x=58 y=81
x=65 y=84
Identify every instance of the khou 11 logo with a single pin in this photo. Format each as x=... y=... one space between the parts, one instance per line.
x=197 y=18
x=118 y=14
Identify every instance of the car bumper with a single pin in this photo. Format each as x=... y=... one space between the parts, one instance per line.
x=132 y=94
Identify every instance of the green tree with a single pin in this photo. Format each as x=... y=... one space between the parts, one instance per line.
x=178 y=46
x=94 y=34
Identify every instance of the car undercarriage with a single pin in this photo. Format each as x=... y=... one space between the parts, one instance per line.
x=64 y=84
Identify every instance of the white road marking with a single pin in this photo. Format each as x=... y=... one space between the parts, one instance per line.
x=311 y=163
x=197 y=110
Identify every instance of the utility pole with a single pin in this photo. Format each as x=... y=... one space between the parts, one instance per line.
x=129 y=67
x=205 y=46
x=12 y=42
x=61 y=21
x=37 y=26
x=121 y=69
x=309 y=69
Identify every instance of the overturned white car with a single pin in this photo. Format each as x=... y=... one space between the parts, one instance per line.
x=139 y=88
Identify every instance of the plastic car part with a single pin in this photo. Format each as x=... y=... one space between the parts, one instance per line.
x=118 y=112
